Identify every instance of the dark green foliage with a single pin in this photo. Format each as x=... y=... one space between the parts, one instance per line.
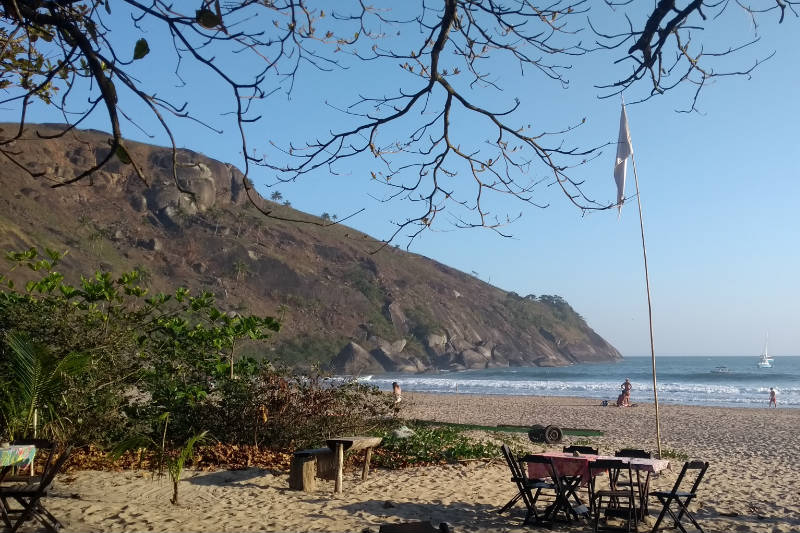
x=421 y=322
x=431 y=445
x=547 y=312
x=365 y=282
x=562 y=309
x=415 y=347
x=308 y=349
x=148 y=355
x=36 y=387
x=379 y=325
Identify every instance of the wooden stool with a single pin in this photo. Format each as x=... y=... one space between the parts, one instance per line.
x=309 y=464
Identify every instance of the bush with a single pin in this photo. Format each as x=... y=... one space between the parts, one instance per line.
x=430 y=445
x=309 y=349
x=151 y=356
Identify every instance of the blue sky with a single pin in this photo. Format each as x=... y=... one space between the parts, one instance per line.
x=719 y=192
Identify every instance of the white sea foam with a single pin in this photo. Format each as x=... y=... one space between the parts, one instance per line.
x=686 y=382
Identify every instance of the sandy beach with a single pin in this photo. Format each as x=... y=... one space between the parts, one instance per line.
x=753 y=483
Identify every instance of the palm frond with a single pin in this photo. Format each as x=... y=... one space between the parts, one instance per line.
x=26 y=366
x=175 y=465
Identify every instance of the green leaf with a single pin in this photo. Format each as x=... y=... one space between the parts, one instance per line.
x=54 y=255
x=108 y=6
x=141 y=49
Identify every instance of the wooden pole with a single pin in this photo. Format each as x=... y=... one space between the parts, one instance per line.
x=365 y=470
x=649 y=306
x=339 y=464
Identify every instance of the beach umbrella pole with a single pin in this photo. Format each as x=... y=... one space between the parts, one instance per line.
x=649 y=306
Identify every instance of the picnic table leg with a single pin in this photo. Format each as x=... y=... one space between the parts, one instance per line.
x=339 y=465
x=365 y=471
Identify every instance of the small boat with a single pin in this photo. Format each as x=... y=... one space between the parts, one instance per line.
x=721 y=370
x=765 y=361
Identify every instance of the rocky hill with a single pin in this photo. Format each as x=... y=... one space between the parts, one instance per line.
x=343 y=306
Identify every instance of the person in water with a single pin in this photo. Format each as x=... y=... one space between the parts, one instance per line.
x=773 y=398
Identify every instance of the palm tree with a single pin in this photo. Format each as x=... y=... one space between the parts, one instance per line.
x=276 y=196
x=174 y=464
x=39 y=381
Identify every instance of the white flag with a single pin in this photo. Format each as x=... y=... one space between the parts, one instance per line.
x=624 y=151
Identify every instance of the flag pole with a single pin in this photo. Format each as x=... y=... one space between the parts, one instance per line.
x=649 y=305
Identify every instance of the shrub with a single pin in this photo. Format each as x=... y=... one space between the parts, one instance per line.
x=430 y=445
x=148 y=355
x=667 y=453
x=308 y=349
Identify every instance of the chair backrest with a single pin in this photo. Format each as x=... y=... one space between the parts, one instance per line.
x=581 y=449
x=53 y=467
x=617 y=469
x=42 y=446
x=696 y=468
x=633 y=452
x=513 y=464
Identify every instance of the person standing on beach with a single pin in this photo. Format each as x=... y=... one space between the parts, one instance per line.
x=773 y=398
x=626 y=392
x=397 y=392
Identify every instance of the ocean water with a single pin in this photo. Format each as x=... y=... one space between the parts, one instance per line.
x=681 y=380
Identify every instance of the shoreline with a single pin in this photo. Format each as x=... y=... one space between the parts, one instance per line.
x=648 y=400
x=590 y=401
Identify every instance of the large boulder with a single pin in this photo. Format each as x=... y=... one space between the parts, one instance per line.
x=398 y=317
x=471 y=358
x=355 y=360
x=436 y=344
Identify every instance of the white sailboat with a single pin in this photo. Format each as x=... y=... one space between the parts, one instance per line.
x=765 y=361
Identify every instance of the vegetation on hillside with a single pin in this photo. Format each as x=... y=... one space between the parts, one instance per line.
x=550 y=313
